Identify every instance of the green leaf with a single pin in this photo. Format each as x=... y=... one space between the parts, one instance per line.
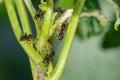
x=111 y=38
x=88 y=27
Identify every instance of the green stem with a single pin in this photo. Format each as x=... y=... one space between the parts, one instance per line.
x=23 y=16
x=59 y=22
x=55 y=75
x=33 y=69
x=26 y=28
x=33 y=12
x=47 y=19
x=13 y=18
x=42 y=39
x=18 y=33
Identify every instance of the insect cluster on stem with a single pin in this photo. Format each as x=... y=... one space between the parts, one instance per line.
x=26 y=36
x=49 y=57
x=40 y=15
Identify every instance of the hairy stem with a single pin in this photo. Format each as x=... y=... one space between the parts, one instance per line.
x=55 y=75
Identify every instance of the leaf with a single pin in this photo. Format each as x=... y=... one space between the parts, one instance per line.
x=89 y=26
x=111 y=38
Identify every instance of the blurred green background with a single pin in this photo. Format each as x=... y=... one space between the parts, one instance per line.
x=94 y=55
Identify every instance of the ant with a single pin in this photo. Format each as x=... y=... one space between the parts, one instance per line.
x=46 y=60
x=26 y=37
x=39 y=14
x=61 y=34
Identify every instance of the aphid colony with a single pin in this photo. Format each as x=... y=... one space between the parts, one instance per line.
x=28 y=37
x=48 y=57
x=62 y=31
x=40 y=15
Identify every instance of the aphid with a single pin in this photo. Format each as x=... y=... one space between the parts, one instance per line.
x=50 y=56
x=61 y=37
x=26 y=37
x=29 y=37
x=39 y=14
x=46 y=60
x=61 y=34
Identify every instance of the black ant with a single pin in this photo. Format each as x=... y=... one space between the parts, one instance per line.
x=46 y=60
x=61 y=34
x=39 y=14
x=26 y=37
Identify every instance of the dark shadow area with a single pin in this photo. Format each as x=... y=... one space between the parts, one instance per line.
x=111 y=38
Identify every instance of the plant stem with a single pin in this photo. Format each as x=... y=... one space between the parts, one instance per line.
x=47 y=19
x=17 y=31
x=59 y=22
x=42 y=39
x=55 y=75
x=33 y=12
x=13 y=18
x=23 y=16
x=26 y=28
x=33 y=69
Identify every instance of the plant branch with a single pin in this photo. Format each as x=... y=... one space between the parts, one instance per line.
x=67 y=14
x=18 y=33
x=59 y=22
x=13 y=18
x=33 y=12
x=42 y=39
x=55 y=75
x=47 y=19
x=23 y=16
x=33 y=69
